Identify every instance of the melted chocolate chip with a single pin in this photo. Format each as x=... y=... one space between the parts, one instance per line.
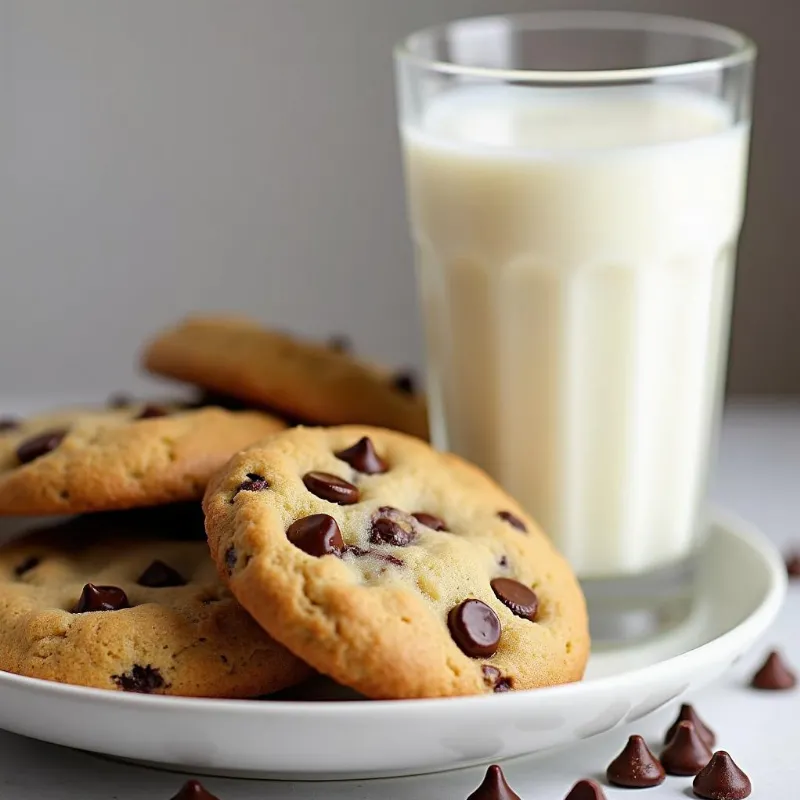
x=494 y=787
x=586 y=790
x=31 y=562
x=721 y=779
x=101 y=598
x=40 y=445
x=253 y=483
x=317 y=535
x=686 y=753
x=688 y=714
x=160 y=575
x=231 y=557
x=792 y=563
x=430 y=521
x=475 y=628
x=331 y=488
x=144 y=680
x=194 y=790
x=340 y=343
x=774 y=675
x=362 y=457
x=515 y=522
x=8 y=424
x=405 y=381
x=151 y=411
x=495 y=680
x=360 y=552
x=635 y=767
x=517 y=597
x=392 y=526
x=120 y=400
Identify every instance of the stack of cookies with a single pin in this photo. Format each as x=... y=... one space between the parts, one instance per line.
x=354 y=549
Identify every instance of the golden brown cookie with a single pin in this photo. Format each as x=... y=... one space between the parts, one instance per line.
x=80 y=460
x=397 y=570
x=131 y=601
x=315 y=383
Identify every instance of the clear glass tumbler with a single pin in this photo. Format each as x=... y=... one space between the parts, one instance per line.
x=576 y=187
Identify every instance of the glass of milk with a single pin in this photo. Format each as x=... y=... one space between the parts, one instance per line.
x=576 y=187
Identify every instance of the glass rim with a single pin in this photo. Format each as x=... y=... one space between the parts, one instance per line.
x=743 y=48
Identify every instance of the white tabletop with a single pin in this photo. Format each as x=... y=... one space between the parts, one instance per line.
x=758 y=477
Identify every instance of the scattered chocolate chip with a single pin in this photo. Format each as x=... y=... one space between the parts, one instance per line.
x=392 y=526
x=151 y=411
x=144 y=680
x=475 y=628
x=8 y=424
x=515 y=522
x=120 y=400
x=363 y=457
x=160 y=575
x=521 y=600
x=194 y=790
x=40 y=445
x=231 y=557
x=774 y=675
x=31 y=562
x=635 y=767
x=686 y=753
x=494 y=787
x=792 y=562
x=586 y=790
x=405 y=381
x=430 y=521
x=340 y=343
x=253 y=483
x=721 y=779
x=101 y=598
x=317 y=535
x=493 y=678
x=688 y=714
x=331 y=488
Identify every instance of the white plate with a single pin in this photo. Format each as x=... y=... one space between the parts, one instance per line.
x=741 y=584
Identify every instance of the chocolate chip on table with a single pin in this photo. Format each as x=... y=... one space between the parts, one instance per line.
x=317 y=535
x=475 y=628
x=8 y=424
x=101 y=598
x=721 y=779
x=586 y=790
x=688 y=714
x=40 y=445
x=331 y=488
x=517 y=597
x=494 y=787
x=512 y=520
x=194 y=790
x=143 y=680
x=253 y=483
x=392 y=526
x=151 y=411
x=362 y=457
x=635 y=767
x=340 y=343
x=792 y=563
x=686 y=753
x=160 y=575
x=405 y=381
x=430 y=521
x=495 y=679
x=774 y=675
x=31 y=562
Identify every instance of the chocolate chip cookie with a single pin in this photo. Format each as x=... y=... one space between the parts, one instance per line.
x=314 y=383
x=80 y=460
x=397 y=570
x=131 y=601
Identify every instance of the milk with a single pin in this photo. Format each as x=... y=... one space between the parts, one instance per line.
x=575 y=250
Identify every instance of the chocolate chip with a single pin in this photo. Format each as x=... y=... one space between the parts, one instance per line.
x=231 y=557
x=340 y=343
x=405 y=381
x=475 y=628
x=360 y=552
x=774 y=675
x=494 y=787
x=160 y=575
x=362 y=457
x=686 y=753
x=317 y=535
x=31 y=562
x=792 y=563
x=40 y=445
x=521 y=600
x=515 y=522
x=635 y=767
x=253 y=483
x=151 y=411
x=194 y=790
x=8 y=424
x=101 y=598
x=586 y=790
x=392 y=526
x=331 y=488
x=120 y=400
x=144 y=680
x=430 y=521
x=721 y=779
x=688 y=714
x=494 y=679
x=503 y=562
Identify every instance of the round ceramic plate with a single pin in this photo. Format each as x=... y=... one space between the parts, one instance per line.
x=740 y=586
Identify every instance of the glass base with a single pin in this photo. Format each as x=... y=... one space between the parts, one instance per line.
x=630 y=608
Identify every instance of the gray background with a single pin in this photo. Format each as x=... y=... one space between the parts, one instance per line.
x=161 y=156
